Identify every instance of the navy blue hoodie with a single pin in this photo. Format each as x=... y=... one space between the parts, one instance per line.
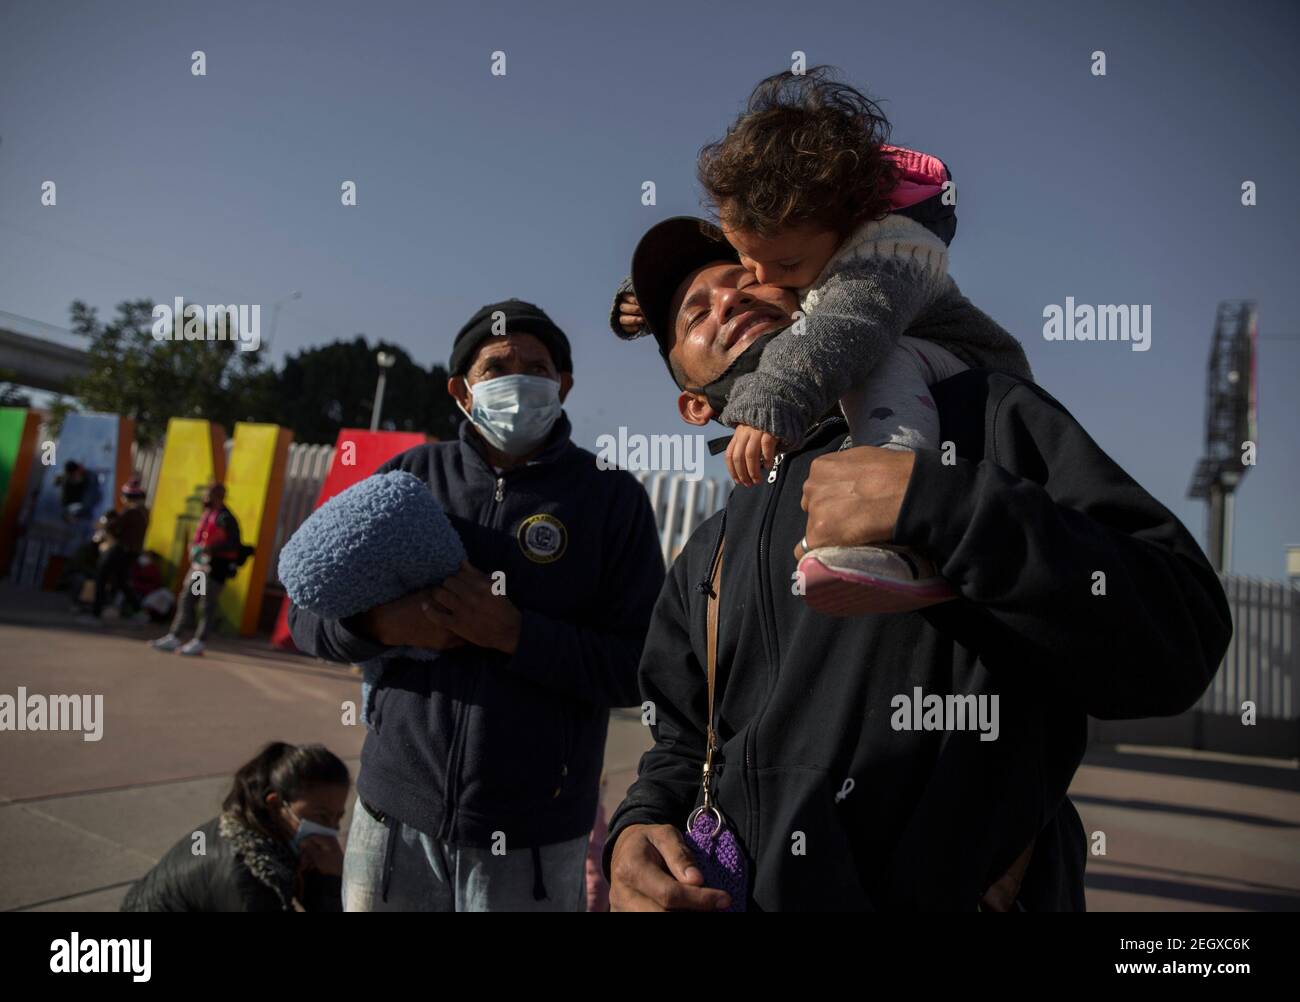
x=481 y=741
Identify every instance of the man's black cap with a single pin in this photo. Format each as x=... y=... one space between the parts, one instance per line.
x=520 y=318
x=666 y=254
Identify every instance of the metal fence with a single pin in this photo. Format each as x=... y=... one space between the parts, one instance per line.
x=1262 y=665
x=680 y=505
x=1251 y=706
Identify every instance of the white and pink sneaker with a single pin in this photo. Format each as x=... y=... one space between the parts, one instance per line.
x=860 y=580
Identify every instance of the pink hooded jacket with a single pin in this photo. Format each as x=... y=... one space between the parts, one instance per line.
x=923 y=176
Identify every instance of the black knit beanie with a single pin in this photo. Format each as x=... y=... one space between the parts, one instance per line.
x=520 y=318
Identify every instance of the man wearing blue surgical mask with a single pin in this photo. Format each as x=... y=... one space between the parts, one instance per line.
x=481 y=769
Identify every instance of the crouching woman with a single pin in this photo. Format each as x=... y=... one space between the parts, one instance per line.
x=274 y=847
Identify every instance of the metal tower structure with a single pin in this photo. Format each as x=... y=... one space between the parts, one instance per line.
x=1230 y=414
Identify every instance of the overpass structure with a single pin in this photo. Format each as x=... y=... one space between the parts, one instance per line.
x=40 y=355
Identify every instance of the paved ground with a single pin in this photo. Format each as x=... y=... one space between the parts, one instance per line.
x=80 y=820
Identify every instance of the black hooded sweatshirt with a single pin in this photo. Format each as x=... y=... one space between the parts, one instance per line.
x=1021 y=523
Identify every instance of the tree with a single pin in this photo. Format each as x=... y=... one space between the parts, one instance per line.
x=134 y=374
x=317 y=392
x=332 y=386
x=10 y=394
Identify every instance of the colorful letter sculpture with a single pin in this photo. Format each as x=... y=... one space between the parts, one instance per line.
x=194 y=455
x=102 y=444
x=254 y=485
x=18 y=429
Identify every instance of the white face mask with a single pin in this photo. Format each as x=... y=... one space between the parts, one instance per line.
x=514 y=413
x=306 y=828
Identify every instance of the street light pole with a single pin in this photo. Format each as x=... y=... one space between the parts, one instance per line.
x=275 y=316
x=385 y=360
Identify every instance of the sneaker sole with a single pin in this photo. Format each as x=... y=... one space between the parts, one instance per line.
x=836 y=591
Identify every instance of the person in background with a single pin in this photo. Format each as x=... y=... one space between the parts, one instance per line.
x=73 y=483
x=273 y=848
x=123 y=532
x=214 y=558
x=145 y=581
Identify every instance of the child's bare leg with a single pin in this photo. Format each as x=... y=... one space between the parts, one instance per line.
x=892 y=408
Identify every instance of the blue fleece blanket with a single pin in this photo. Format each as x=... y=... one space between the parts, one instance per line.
x=380 y=539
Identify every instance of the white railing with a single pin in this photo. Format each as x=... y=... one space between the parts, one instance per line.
x=1262 y=664
x=680 y=505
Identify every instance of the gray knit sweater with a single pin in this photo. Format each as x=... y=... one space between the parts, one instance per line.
x=889 y=278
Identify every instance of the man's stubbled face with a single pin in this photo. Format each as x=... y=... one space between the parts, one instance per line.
x=718 y=311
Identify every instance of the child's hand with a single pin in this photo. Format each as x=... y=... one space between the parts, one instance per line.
x=629 y=313
x=749 y=453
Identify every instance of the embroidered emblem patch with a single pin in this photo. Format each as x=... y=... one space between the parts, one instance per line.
x=543 y=538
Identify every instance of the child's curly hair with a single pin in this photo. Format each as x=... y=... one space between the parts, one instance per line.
x=806 y=150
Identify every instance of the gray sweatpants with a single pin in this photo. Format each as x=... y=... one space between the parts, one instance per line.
x=206 y=605
x=892 y=407
x=389 y=866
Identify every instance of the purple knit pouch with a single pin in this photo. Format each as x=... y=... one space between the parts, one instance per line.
x=719 y=858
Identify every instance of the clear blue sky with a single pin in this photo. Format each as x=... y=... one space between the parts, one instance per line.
x=472 y=188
